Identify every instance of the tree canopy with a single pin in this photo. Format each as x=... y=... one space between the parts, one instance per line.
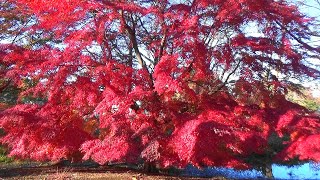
x=170 y=83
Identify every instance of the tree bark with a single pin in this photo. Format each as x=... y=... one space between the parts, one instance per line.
x=131 y=32
x=267 y=171
x=150 y=168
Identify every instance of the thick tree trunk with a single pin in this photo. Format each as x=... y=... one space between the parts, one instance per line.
x=150 y=168
x=267 y=171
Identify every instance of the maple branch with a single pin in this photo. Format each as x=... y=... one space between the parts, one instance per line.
x=227 y=79
x=20 y=32
x=312 y=6
x=162 y=45
x=117 y=50
x=146 y=57
x=141 y=23
x=93 y=55
x=130 y=54
x=298 y=40
x=132 y=36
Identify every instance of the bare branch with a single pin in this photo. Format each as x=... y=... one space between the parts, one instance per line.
x=227 y=79
x=307 y=46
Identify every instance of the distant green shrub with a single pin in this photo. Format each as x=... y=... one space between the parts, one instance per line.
x=3 y=155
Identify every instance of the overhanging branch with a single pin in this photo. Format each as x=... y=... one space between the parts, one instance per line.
x=307 y=46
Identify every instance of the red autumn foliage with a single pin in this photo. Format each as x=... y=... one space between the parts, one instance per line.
x=167 y=83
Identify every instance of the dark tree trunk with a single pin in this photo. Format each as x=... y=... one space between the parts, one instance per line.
x=150 y=168
x=267 y=171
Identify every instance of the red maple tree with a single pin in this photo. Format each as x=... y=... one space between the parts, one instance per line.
x=162 y=82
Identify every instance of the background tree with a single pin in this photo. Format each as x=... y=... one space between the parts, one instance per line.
x=305 y=98
x=162 y=82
